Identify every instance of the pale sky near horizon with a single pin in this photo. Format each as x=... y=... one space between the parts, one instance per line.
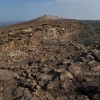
x=21 y=10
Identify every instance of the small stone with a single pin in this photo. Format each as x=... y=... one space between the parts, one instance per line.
x=27 y=94
x=36 y=93
x=66 y=75
x=41 y=83
x=34 y=70
x=74 y=69
x=34 y=82
x=68 y=62
x=86 y=98
x=46 y=96
x=45 y=78
x=45 y=65
x=28 y=80
x=92 y=63
x=43 y=59
x=96 y=54
x=19 y=92
x=45 y=70
x=83 y=59
x=30 y=63
x=89 y=57
x=96 y=69
x=60 y=70
x=23 y=74
x=51 y=85
x=38 y=87
x=81 y=97
x=35 y=98
x=1 y=89
x=65 y=84
x=61 y=98
x=16 y=76
x=29 y=75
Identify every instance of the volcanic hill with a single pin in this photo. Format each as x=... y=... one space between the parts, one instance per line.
x=50 y=58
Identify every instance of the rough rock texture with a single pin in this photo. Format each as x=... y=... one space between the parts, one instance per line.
x=50 y=60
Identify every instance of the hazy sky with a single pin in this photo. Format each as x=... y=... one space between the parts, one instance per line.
x=16 y=10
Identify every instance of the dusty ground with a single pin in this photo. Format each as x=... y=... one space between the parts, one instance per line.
x=50 y=60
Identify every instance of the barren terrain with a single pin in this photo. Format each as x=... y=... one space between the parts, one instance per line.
x=50 y=59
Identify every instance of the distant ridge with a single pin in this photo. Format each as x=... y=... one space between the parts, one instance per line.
x=2 y=24
x=48 y=17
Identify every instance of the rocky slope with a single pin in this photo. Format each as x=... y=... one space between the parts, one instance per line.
x=51 y=59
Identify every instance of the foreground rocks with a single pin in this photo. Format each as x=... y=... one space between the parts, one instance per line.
x=52 y=76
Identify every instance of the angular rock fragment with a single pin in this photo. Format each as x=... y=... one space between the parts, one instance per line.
x=96 y=54
x=75 y=69
x=66 y=75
